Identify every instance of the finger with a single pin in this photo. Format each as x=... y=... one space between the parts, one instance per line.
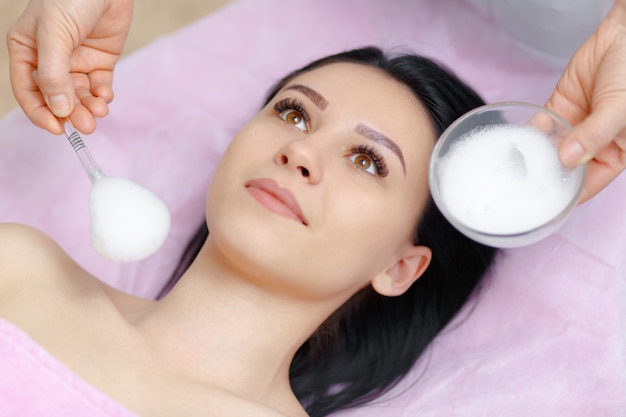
x=83 y=120
x=35 y=107
x=22 y=59
x=32 y=102
x=101 y=84
x=43 y=118
x=602 y=170
x=593 y=134
x=551 y=125
x=97 y=106
x=54 y=47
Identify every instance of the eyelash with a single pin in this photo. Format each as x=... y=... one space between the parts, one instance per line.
x=292 y=104
x=377 y=159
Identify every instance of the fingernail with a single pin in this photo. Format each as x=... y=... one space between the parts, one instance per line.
x=574 y=154
x=60 y=105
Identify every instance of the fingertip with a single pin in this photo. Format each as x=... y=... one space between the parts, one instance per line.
x=96 y=105
x=86 y=127
x=54 y=128
x=83 y=120
x=59 y=105
x=104 y=92
x=57 y=99
x=101 y=84
x=592 y=135
x=572 y=153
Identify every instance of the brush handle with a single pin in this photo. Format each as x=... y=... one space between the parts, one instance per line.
x=91 y=167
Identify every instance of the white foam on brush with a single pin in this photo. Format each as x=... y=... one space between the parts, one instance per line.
x=504 y=179
x=128 y=222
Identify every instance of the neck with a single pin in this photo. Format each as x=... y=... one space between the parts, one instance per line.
x=227 y=331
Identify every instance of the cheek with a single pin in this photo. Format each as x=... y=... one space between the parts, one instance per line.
x=247 y=149
x=369 y=233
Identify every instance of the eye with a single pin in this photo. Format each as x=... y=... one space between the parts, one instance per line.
x=369 y=160
x=363 y=162
x=293 y=112
x=293 y=117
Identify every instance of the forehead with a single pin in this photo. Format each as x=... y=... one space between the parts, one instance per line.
x=358 y=82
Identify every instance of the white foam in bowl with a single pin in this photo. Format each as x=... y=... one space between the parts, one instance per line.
x=496 y=176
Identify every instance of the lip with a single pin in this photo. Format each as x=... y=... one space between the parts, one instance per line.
x=276 y=199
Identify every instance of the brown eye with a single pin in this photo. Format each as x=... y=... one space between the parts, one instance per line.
x=362 y=161
x=369 y=160
x=293 y=112
x=293 y=117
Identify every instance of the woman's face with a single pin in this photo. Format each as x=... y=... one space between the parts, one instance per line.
x=321 y=191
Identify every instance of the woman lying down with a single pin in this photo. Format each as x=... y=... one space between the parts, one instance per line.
x=327 y=271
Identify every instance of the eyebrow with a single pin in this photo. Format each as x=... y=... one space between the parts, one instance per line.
x=381 y=139
x=361 y=129
x=313 y=95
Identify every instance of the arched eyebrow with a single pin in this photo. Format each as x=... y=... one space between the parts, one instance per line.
x=313 y=95
x=381 y=139
x=361 y=129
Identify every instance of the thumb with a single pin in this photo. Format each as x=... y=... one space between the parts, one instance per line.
x=54 y=49
x=592 y=135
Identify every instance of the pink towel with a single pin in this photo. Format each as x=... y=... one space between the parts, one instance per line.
x=34 y=383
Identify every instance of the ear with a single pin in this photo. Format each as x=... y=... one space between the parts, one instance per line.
x=407 y=269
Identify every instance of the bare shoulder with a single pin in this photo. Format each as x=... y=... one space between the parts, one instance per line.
x=29 y=257
x=36 y=273
x=34 y=269
x=16 y=239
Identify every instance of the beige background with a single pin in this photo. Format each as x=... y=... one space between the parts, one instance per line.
x=152 y=18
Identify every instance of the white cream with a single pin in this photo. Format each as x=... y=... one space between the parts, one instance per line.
x=128 y=222
x=504 y=180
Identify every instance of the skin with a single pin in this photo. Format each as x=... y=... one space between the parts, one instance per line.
x=81 y=40
x=61 y=59
x=591 y=95
x=221 y=342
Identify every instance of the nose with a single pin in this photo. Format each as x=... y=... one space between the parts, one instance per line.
x=301 y=157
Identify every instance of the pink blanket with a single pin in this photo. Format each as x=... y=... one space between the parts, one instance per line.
x=547 y=334
x=34 y=384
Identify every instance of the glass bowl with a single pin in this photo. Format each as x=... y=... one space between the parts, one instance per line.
x=495 y=174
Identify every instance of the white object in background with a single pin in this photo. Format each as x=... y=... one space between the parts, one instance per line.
x=549 y=29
